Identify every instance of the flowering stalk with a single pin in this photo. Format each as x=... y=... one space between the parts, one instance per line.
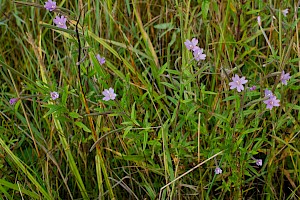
x=258 y=162
x=218 y=170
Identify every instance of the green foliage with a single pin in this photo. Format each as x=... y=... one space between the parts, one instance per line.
x=174 y=120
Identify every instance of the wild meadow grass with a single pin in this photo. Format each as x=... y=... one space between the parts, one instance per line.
x=149 y=99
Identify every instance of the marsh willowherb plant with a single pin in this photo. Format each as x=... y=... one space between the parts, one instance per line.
x=191 y=45
x=238 y=82
x=13 y=101
x=218 y=170
x=197 y=51
x=268 y=93
x=271 y=102
x=54 y=95
x=252 y=88
x=258 y=162
x=198 y=54
x=60 y=21
x=109 y=94
x=259 y=20
x=284 y=77
x=50 y=5
x=285 y=12
x=100 y=59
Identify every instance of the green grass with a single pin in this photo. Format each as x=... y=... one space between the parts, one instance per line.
x=173 y=121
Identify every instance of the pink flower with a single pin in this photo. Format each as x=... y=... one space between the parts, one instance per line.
x=271 y=102
x=54 y=95
x=252 y=88
x=259 y=20
x=218 y=170
x=13 y=101
x=100 y=59
x=50 y=5
x=190 y=45
x=284 y=77
x=198 y=54
x=285 y=12
x=268 y=93
x=258 y=162
x=237 y=83
x=60 y=21
x=109 y=94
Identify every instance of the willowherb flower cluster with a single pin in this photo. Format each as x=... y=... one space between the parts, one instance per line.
x=271 y=100
x=197 y=51
x=59 y=21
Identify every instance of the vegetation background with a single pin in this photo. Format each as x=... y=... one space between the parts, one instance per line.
x=174 y=120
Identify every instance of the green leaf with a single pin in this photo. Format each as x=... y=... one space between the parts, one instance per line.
x=74 y=115
x=163 y=26
x=204 y=8
x=84 y=127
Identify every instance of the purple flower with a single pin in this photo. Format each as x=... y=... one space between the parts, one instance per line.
x=60 y=21
x=100 y=59
x=268 y=93
x=218 y=170
x=252 y=88
x=258 y=162
x=284 y=77
x=50 y=5
x=54 y=95
x=259 y=20
x=13 y=101
x=237 y=83
x=109 y=94
x=271 y=102
x=190 y=45
x=198 y=54
x=285 y=12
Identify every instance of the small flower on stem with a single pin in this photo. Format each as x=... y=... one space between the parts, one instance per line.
x=252 y=88
x=259 y=20
x=13 y=101
x=237 y=83
x=191 y=45
x=100 y=59
x=60 y=21
x=258 y=162
x=50 y=5
x=198 y=54
x=218 y=170
x=54 y=95
x=285 y=12
x=268 y=93
x=284 y=77
x=109 y=94
x=271 y=102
